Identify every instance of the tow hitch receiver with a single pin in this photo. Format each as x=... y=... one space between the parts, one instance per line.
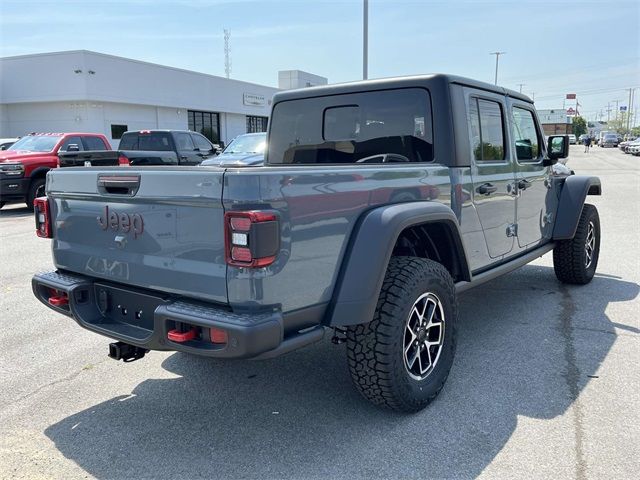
x=125 y=352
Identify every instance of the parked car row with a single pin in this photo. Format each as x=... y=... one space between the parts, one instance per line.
x=632 y=146
x=25 y=162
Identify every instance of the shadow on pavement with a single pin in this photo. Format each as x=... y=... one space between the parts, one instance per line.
x=17 y=211
x=527 y=347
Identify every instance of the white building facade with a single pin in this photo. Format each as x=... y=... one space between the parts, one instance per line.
x=83 y=91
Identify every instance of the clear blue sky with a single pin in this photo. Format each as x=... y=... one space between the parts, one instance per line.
x=592 y=48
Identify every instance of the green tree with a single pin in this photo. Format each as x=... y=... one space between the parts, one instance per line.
x=579 y=126
x=619 y=124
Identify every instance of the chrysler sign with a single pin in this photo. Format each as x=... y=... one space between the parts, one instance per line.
x=253 y=99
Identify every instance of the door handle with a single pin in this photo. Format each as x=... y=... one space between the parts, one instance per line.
x=524 y=184
x=486 y=189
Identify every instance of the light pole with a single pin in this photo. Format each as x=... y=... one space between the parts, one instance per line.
x=497 y=54
x=365 y=40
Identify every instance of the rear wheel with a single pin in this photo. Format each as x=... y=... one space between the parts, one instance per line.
x=402 y=358
x=37 y=189
x=575 y=261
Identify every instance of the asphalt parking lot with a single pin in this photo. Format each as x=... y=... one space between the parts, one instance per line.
x=545 y=384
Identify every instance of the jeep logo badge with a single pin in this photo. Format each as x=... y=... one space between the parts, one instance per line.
x=121 y=222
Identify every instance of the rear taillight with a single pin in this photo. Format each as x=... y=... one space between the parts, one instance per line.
x=252 y=239
x=123 y=161
x=43 y=217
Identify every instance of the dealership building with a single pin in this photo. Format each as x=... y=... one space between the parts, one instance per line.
x=83 y=91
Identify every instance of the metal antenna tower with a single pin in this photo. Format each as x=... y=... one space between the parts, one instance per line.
x=227 y=53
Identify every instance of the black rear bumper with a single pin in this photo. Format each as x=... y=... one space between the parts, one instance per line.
x=145 y=318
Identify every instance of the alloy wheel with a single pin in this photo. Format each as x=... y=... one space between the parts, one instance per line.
x=423 y=336
x=590 y=245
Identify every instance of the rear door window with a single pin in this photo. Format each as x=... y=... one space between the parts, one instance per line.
x=487 y=130
x=184 y=142
x=202 y=143
x=93 y=143
x=372 y=127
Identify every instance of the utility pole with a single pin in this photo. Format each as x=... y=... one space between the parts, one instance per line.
x=533 y=96
x=608 y=111
x=497 y=54
x=227 y=53
x=629 y=109
x=365 y=39
x=521 y=85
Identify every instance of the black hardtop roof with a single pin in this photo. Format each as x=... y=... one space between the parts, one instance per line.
x=433 y=81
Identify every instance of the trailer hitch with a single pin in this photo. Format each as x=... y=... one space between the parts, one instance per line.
x=125 y=352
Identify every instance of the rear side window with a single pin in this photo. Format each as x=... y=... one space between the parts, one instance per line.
x=184 y=141
x=93 y=143
x=486 y=130
x=525 y=135
x=372 y=127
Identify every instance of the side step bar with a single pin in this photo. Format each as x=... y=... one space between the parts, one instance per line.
x=301 y=339
x=507 y=267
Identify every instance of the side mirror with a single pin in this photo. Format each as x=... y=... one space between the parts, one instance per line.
x=557 y=148
x=73 y=147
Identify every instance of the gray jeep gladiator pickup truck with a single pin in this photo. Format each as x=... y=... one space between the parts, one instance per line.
x=379 y=202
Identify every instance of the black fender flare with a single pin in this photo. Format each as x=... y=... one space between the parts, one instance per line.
x=574 y=192
x=368 y=253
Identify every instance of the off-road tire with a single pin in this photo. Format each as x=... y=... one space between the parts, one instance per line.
x=33 y=190
x=570 y=256
x=375 y=350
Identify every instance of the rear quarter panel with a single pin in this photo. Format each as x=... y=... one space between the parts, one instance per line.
x=318 y=209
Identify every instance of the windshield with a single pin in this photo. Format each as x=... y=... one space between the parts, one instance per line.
x=35 y=143
x=247 y=144
x=609 y=137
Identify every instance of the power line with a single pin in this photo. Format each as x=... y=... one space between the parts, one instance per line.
x=586 y=92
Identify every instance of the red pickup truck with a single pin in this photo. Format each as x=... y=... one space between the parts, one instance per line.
x=24 y=165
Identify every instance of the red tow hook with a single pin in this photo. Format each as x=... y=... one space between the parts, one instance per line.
x=59 y=300
x=181 y=337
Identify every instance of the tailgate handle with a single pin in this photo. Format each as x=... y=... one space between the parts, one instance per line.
x=119 y=184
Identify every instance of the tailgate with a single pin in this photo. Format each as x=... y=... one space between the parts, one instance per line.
x=158 y=228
